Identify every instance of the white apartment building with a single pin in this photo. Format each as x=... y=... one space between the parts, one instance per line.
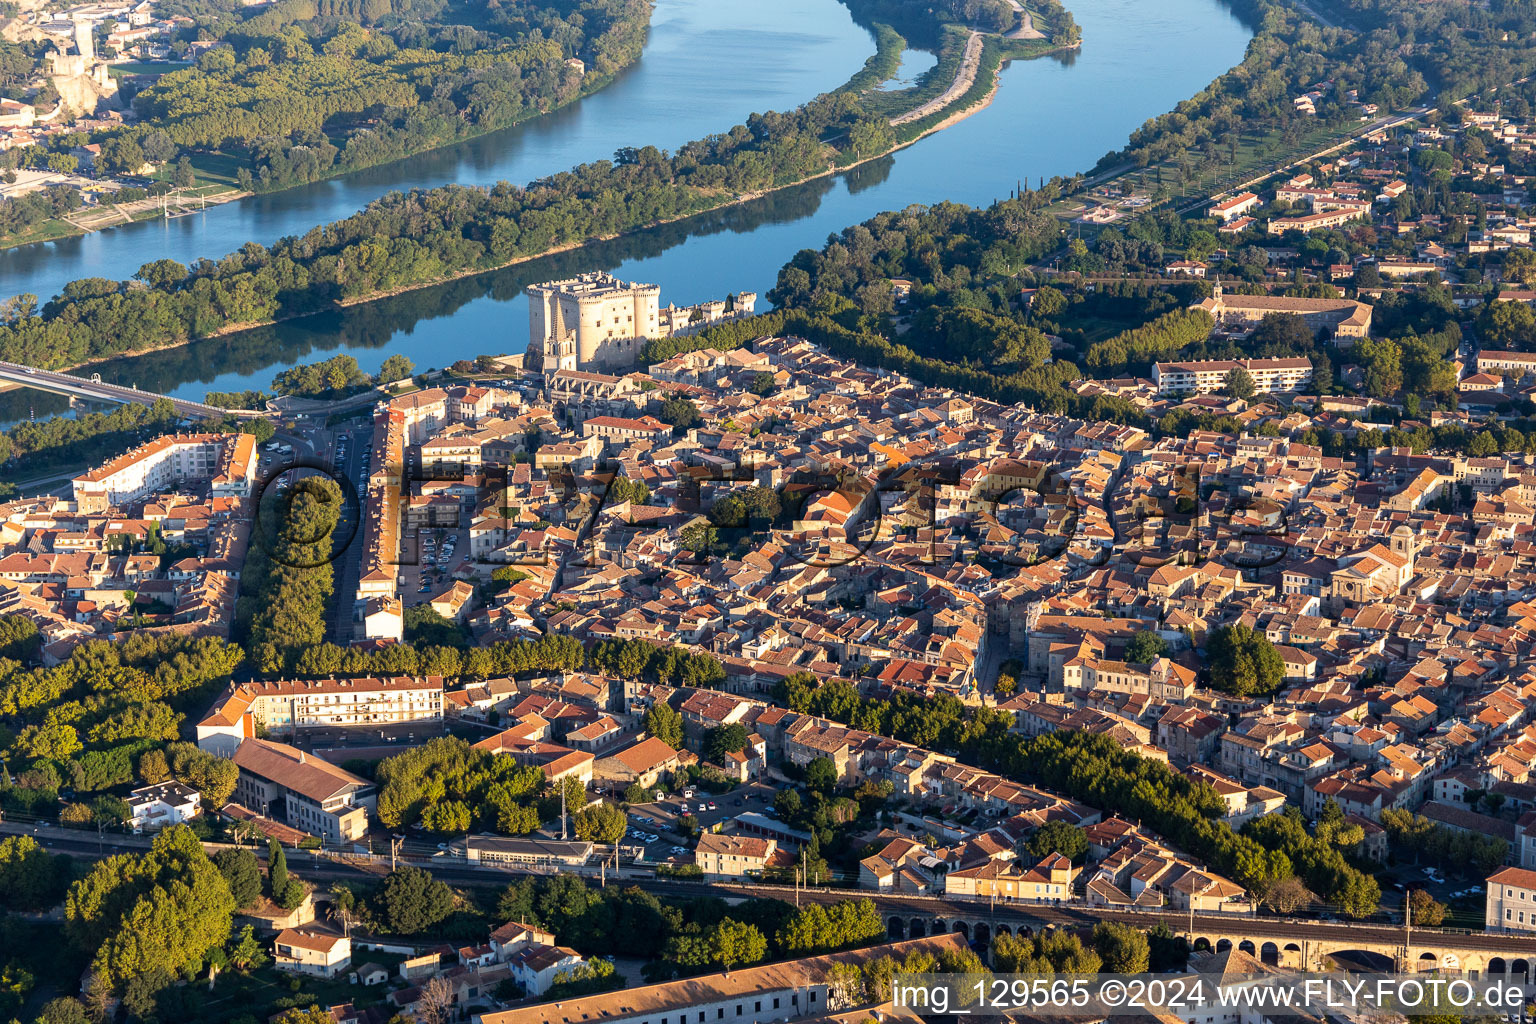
x=1501 y=363
x=1203 y=376
x=163 y=804
x=226 y=462
x=1233 y=208
x=1511 y=905
x=294 y=704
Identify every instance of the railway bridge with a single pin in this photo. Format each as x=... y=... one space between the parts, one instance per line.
x=1409 y=950
x=1289 y=942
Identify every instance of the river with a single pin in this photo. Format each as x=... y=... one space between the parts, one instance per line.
x=708 y=63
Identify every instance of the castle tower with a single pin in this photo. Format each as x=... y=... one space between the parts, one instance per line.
x=560 y=345
x=85 y=42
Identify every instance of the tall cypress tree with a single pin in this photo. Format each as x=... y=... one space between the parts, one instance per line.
x=277 y=870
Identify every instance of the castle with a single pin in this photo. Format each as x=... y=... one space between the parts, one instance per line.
x=80 y=77
x=597 y=322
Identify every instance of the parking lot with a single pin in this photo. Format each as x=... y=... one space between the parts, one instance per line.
x=655 y=824
x=1462 y=893
x=427 y=557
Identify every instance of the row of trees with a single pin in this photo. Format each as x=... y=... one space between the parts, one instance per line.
x=87 y=438
x=1160 y=339
x=673 y=666
x=287 y=581
x=1269 y=851
x=1095 y=770
x=549 y=653
x=692 y=937
x=1416 y=836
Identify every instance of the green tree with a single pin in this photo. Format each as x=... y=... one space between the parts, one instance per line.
x=248 y=952
x=821 y=775
x=1239 y=383
x=1359 y=896
x=1122 y=948
x=160 y=911
x=19 y=638
x=698 y=538
x=1243 y=661
x=662 y=722
x=63 y=1010
x=243 y=874
x=395 y=367
x=1058 y=837
x=1507 y=325
x=601 y=823
x=312 y=1015
x=1048 y=302
x=1427 y=911
x=679 y=412
x=725 y=740
x=410 y=901
x=735 y=943
x=29 y=875
x=1145 y=647
x=1520 y=265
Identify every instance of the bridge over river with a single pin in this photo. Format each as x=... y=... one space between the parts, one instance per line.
x=96 y=390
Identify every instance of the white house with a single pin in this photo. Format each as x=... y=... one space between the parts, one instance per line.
x=163 y=804
x=535 y=966
x=311 y=951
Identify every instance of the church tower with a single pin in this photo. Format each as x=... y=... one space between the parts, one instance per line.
x=1404 y=543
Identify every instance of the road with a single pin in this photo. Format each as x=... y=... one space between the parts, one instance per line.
x=68 y=384
x=907 y=907
x=350 y=453
x=964 y=79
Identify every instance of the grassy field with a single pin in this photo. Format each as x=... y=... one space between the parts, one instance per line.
x=210 y=169
x=47 y=231
x=1098 y=328
x=145 y=68
x=1258 y=152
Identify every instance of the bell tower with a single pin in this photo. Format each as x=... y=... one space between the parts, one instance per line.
x=1404 y=543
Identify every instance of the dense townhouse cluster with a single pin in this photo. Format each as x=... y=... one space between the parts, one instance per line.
x=153 y=539
x=820 y=519
x=958 y=524
x=898 y=536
